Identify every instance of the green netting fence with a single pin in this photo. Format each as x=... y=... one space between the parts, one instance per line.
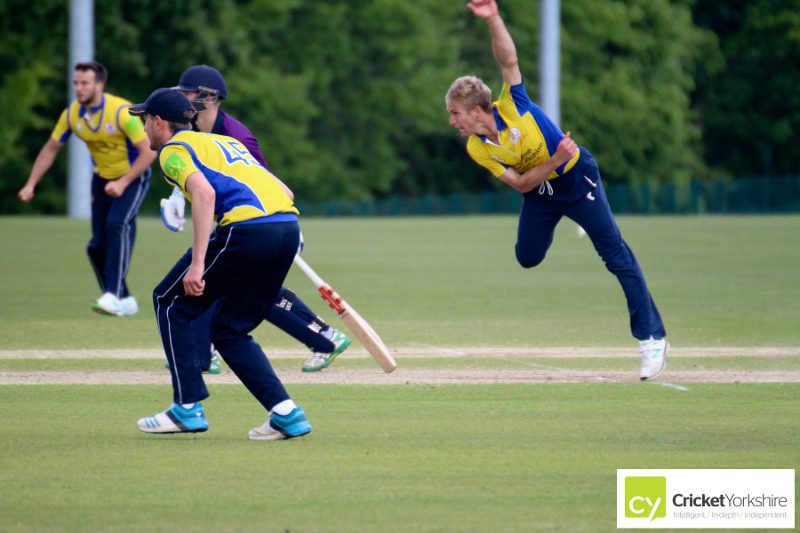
x=763 y=194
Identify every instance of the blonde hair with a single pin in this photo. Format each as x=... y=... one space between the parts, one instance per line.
x=470 y=91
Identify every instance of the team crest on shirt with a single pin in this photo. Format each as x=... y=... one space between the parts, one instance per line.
x=173 y=166
x=514 y=135
x=110 y=128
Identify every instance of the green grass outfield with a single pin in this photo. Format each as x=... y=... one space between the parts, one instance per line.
x=515 y=402
x=511 y=457
x=718 y=281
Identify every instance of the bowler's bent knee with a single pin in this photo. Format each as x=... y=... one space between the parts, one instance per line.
x=527 y=259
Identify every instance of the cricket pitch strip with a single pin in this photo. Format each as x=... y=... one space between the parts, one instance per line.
x=526 y=365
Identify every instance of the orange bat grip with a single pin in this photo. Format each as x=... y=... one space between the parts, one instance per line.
x=333 y=299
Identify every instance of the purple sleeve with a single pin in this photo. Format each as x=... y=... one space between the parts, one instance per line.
x=233 y=128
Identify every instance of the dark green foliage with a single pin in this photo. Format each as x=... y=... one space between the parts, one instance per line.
x=346 y=98
x=627 y=78
x=33 y=72
x=752 y=106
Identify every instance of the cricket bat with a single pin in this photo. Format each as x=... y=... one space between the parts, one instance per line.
x=354 y=322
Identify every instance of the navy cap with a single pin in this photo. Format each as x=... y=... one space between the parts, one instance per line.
x=169 y=104
x=202 y=78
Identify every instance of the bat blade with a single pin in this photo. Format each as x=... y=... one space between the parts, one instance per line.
x=368 y=338
x=359 y=327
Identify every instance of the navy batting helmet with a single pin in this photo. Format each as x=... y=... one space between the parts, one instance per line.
x=203 y=79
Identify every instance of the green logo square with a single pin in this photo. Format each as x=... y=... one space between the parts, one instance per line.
x=646 y=497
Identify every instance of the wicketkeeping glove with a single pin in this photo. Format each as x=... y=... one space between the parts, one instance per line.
x=172 y=210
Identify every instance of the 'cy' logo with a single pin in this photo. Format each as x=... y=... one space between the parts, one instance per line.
x=645 y=497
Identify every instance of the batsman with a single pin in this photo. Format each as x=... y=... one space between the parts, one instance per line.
x=522 y=147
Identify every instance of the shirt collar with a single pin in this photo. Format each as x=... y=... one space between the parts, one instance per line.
x=218 y=123
x=95 y=109
x=501 y=125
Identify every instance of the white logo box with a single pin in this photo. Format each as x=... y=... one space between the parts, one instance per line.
x=706 y=498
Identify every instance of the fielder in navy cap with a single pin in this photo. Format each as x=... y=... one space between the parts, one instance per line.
x=167 y=103
x=205 y=87
x=231 y=277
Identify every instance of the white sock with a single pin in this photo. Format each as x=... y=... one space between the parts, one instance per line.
x=187 y=405
x=284 y=408
x=328 y=333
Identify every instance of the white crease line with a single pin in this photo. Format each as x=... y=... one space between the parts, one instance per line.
x=543 y=367
x=670 y=385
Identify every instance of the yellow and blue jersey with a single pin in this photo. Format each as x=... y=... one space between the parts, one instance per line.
x=527 y=136
x=108 y=130
x=245 y=190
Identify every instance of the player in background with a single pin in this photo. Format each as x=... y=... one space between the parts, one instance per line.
x=205 y=87
x=121 y=156
x=521 y=146
x=239 y=268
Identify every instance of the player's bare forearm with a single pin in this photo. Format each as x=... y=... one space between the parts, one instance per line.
x=142 y=162
x=503 y=48
x=532 y=178
x=42 y=163
x=529 y=180
x=202 y=222
x=203 y=198
x=505 y=52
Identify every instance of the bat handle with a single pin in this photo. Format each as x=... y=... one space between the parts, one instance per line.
x=309 y=272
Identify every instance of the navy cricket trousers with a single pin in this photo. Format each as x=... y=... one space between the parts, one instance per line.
x=288 y=313
x=579 y=195
x=246 y=265
x=114 y=232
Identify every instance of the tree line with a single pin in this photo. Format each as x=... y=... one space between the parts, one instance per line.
x=346 y=97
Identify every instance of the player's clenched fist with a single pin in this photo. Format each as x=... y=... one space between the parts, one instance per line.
x=115 y=188
x=193 y=282
x=566 y=149
x=483 y=8
x=26 y=193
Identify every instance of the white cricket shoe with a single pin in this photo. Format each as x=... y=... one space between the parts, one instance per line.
x=108 y=304
x=279 y=427
x=320 y=360
x=176 y=419
x=129 y=306
x=654 y=357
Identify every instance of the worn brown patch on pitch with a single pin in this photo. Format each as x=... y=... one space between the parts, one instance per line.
x=417 y=376
x=401 y=376
x=432 y=352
